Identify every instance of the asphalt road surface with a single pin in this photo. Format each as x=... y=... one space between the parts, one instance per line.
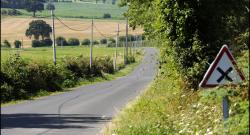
x=83 y=111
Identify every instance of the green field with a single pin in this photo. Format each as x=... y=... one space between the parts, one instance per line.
x=81 y=10
x=46 y=53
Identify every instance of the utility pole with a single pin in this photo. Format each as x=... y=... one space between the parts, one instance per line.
x=126 y=54
x=22 y=43
x=53 y=34
x=91 y=44
x=116 y=45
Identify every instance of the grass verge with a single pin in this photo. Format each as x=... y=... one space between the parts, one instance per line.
x=167 y=108
x=107 y=77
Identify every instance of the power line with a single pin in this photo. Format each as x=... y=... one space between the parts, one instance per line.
x=70 y=27
x=103 y=35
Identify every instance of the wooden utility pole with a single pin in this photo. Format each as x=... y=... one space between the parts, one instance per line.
x=53 y=34
x=91 y=44
x=126 y=54
x=116 y=45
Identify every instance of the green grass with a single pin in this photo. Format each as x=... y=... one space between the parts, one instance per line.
x=107 y=77
x=81 y=10
x=46 y=53
x=166 y=108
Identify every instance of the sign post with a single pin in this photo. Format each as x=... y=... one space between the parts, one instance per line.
x=223 y=71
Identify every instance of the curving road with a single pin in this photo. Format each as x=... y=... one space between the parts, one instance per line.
x=83 y=111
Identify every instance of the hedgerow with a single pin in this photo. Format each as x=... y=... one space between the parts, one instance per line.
x=22 y=79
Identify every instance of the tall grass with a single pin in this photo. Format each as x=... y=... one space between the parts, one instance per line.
x=167 y=108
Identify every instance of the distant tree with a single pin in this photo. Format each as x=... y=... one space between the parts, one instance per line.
x=103 y=41
x=17 y=44
x=61 y=41
x=113 y=2
x=6 y=44
x=86 y=42
x=38 y=28
x=34 y=6
x=73 y=42
x=50 y=6
x=106 y=15
x=95 y=42
x=103 y=1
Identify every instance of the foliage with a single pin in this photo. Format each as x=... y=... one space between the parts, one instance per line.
x=73 y=42
x=103 y=41
x=86 y=42
x=106 y=15
x=10 y=12
x=80 y=10
x=95 y=42
x=50 y=6
x=42 y=43
x=21 y=79
x=34 y=6
x=167 y=108
x=6 y=44
x=61 y=41
x=38 y=28
x=17 y=44
x=194 y=31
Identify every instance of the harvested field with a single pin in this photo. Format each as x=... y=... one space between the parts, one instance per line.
x=14 y=29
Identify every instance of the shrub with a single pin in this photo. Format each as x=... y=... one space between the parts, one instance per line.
x=36 y=43
x=130 y=59
x=106 y=15
x=46 y=42
x=6 y=44
x=95 y=42
x=86 y=42
x=61 y=41
x=17 y=44
x=73 y=42
x=103 y=41
x=105 y=64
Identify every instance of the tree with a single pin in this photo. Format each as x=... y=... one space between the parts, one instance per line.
x=50 y=6
x=34 y=6
x=38 y=28
x=103 y=41
x=61 y=41
x=17 y=44
x=86 y=42
x=6 y=44
x=73 y=42
x=191 y=31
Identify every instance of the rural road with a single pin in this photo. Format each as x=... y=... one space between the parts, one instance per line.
x=83 y=111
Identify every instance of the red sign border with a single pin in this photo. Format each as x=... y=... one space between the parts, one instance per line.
x=223 y=50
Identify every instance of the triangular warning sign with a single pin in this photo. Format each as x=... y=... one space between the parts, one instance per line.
x=223 y=70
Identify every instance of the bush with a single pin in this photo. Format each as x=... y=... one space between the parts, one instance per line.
x=17 y=44
x=73 y=42
x=6 y=44
x=36 y=43
x=103 y=41
x=61 y=41
x=86 y=42
x=130 y=59
x=95 y=42
x=105 y=64
x=42 y=43
x=46 y=42
x=106 y=15
x=11 y=12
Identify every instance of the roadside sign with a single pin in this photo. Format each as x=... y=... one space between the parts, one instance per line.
x=223 y=70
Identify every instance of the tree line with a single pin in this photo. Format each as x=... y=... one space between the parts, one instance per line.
x=30 y=5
